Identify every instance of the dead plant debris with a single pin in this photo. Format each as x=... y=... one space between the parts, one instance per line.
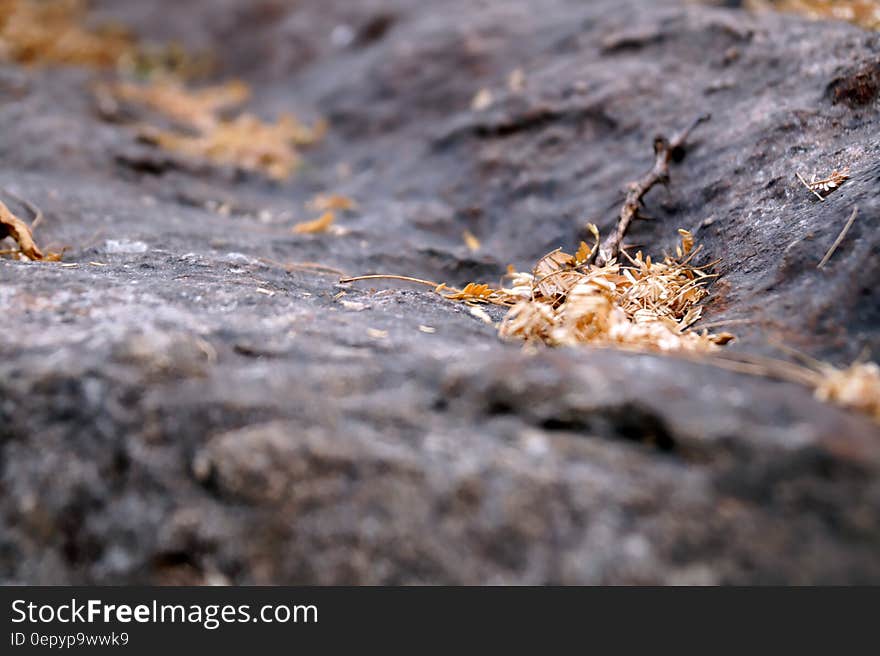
x=245 y=142
x=821 y=188
x=565 y=300
x=56 y=32
x=59 y=33
x=321 y=224
x=205 y=131
x=195 y=108
x=865 y=13
x=839 y=239
x=12 y=226
x=470 y=240
x=856 y=387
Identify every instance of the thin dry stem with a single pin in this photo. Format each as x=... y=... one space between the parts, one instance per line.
x=810 y=188
x=388 y=276
x=839 y=239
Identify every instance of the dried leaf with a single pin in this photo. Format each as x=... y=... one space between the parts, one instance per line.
x=197 y=108
x=39 y=32
x=12 y=226
x=471 y=292
x=585 y=253
x=321 y=224
x=857 y=387
x=481 y=314
x=245 y=142
x=687 y=242
x=821 y=188
x=554 y=274
x=471 y=241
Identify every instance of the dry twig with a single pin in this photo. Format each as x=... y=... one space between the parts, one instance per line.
x=839 y=239
x=664 y=152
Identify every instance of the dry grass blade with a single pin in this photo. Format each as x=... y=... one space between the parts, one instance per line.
x=839 y=239
x=391 y=276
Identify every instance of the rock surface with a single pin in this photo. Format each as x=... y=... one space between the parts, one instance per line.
x=194 y=403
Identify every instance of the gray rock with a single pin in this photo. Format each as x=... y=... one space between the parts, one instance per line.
x=204 y=408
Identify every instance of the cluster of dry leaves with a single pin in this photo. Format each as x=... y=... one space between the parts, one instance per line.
x=566 y=300
x=634 y=303
x=206 y=125
x=58 y=32
x=857 y=386
x=642 y=305
x=865 y=13
x=822 y=187
x=39 y=32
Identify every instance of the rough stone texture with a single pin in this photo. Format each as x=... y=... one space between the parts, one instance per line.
x=163 y=421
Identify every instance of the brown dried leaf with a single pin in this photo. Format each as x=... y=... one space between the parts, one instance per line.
x=321 y=224
x=554 y=274
x=830 y=183
x=12 y=226
x=471 y=241
x=245 y=142
x=865 y=13
x=687 y=242
x=472 y=292
x=585 y=253
x=856 y=387
x=39 y=32
x=194 y=107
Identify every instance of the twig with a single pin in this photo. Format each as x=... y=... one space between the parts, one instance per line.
x=810 y=187
x=379 y=276
x=839 y=239
x=664 y=151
